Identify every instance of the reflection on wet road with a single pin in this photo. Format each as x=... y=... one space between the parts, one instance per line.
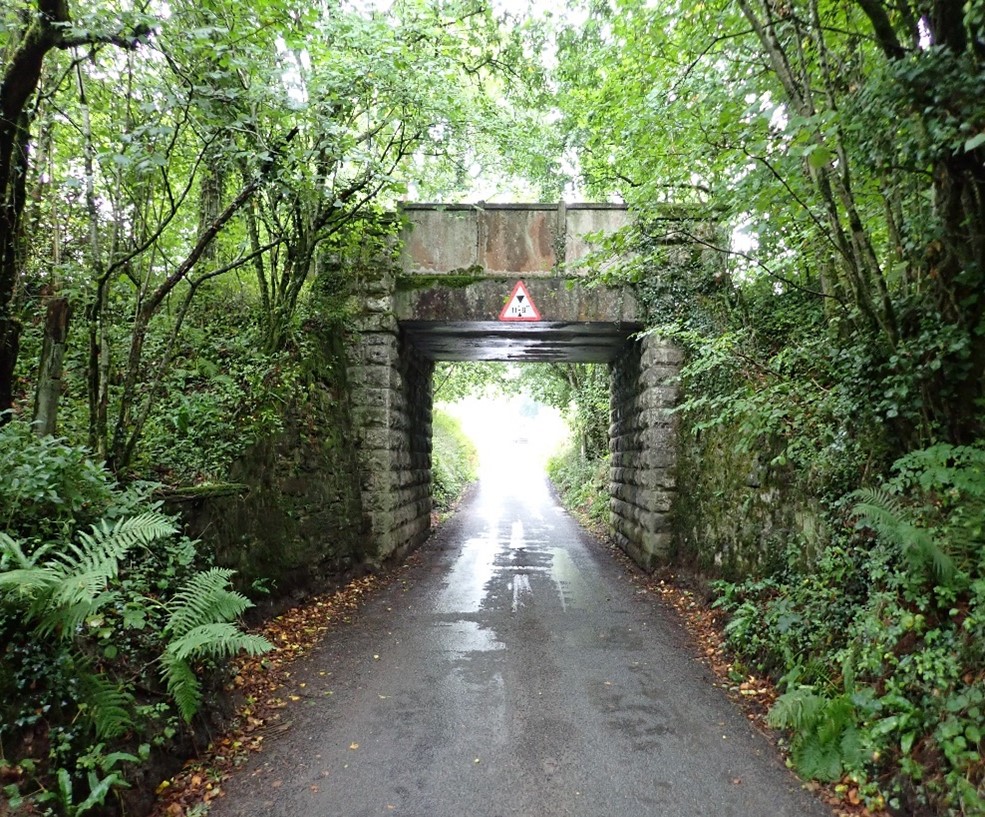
x=514 y=671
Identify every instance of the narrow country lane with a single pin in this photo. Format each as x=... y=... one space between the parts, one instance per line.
x=513 y=672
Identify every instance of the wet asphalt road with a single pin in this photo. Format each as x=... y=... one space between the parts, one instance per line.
x=513 y=670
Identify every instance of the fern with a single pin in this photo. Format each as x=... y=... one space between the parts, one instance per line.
x=884 y=513
x=107 y=705
x=62 y=590
x=816 y=760
x=182 y=684
x=200 y=627
x=796 y=710
x=205 y=598
x=217 y=640
x=824 y=738
x=108 y=544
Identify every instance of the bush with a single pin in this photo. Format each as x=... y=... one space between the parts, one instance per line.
x=453 y=461
x=582 y=483
x=48 y=487
x=881 y=646
x=107 y=622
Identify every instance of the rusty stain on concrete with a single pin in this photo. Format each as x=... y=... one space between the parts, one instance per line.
x=513 y=239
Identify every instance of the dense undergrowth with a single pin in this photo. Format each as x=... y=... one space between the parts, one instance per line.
x=582 y=483
x=880 y=644
x=862 y=522
x=113 y=627
x=453 y=461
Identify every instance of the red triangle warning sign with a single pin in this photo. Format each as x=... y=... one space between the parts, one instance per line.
x=519 y=307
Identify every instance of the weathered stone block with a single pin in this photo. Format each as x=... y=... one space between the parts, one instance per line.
x=373 y=377
x=661 y=438
x=379 y=355
x=375 y=322
x=657 y=458
x=660 y=351
x=660 y=374
x=388 y=439
x=379 y=304
x=658 y=397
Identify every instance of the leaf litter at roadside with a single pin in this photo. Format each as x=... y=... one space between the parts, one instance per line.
x=264 y=688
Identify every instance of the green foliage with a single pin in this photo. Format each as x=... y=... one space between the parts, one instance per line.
x=826 y=740
x=85 y=616
x=581 y=483
x=48 y=486
x=453 y=461
x=62 y=584
x=198 y=627
x=581 y=392
x=885 y=514
x=99 y=790
x=457 y=381
x=880 y=641
x=223 y=395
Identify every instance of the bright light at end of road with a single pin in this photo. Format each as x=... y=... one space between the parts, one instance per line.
x=514 y=436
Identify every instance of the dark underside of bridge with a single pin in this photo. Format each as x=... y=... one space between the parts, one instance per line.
x=540 y=341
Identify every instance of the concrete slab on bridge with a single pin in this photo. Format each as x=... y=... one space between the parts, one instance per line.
x=502 y=239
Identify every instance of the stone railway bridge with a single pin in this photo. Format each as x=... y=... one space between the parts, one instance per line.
x=442 y=302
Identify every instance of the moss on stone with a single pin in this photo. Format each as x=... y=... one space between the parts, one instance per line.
x=456 y=279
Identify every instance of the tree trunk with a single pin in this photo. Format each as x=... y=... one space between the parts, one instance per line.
x=14 y=138
x=42 y=29
x=50 y=371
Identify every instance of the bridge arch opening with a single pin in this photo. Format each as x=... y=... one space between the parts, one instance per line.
x=457 y=269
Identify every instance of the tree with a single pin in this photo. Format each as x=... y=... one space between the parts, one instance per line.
x=843 y=139
x=228 y=140
x=31 y=30
x=456 y=381
x=581 y=391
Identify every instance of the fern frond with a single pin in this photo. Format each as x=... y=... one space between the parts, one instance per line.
x=838 y=715
x=797 y=710
x=67 y=617
x=62 y=590
x=884 y=513
x=107 y=706
x=817 y=760
x=205 y=598
x=28 y=583
x=851 y=747
x=101 y=550
x=11 y=552
x=200 y=626
x=219 y=639
x=182 y=684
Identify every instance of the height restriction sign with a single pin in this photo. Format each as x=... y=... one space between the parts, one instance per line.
x=519 y=307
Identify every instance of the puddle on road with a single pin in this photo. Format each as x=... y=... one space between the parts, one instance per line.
x=572 y=589
x=516 y=562
x=463 y=637
x=466 y=585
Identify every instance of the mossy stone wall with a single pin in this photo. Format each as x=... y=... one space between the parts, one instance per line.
x=737 y=513
x=299 y=523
